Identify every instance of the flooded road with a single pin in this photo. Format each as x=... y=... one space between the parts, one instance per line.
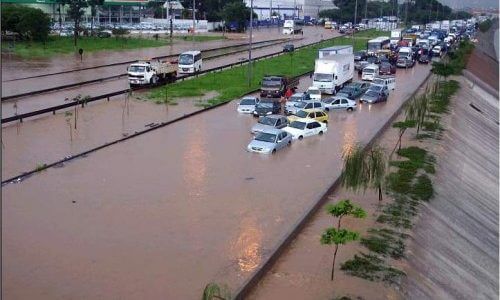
x=464 y=265
x=31 y=103
x=163 y=214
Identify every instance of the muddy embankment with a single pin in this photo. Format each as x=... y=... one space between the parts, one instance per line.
x=454 y=248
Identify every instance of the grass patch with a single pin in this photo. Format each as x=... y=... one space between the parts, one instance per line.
x=40 y=167
x=372 y=268
x=485 y=25
x=386 y=242
x=399 y=213
x=64 y=45
x=233 y=83
x=431 y=126
x=423 y=189
x=200 y=38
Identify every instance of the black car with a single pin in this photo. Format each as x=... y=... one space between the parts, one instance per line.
x=424 y=59
x=288 y=48
x=103 y=34
x=373 y=60
x=267 y=107
x=360 y=55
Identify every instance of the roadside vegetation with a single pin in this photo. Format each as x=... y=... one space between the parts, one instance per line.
x=485 y=25
x=233 y=83
x=199 y=38
x=408 y=182
x=63 y=45
x=455 y=61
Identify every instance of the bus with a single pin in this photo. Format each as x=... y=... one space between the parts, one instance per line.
x=190 y=62
x=382 y=42
x=292 y=26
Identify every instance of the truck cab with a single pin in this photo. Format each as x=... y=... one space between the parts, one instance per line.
x=140 y=73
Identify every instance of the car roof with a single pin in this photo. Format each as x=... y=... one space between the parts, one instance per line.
x=305 y=120
x=309 y=110
x=274 y=116
x=193 y=52
x=272 y=131
x=298 y=94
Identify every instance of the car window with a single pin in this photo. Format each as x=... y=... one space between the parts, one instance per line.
x=315 y=125
x=344 y=101
x=278 y=122
x=317 y=105
x=309 y=105
x=336 y=101
x=320 y=114
x=310 y=126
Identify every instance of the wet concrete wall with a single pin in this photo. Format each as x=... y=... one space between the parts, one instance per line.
x=454 y=249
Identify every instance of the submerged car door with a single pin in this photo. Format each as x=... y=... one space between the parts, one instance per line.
x=344 y=103
x=309 y=129
x=336 y=104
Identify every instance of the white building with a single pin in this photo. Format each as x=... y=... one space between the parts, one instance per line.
x=263 y=8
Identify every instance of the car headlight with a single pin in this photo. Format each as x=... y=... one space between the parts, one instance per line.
x=269 y=112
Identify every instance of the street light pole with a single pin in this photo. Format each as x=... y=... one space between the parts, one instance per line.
x=250 y=46
x=354 y=23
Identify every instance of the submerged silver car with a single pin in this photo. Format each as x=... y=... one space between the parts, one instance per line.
x=247 y=105
x=269 y=122
x=269 y=141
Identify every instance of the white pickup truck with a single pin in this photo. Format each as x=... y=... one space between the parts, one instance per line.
x=151 y=72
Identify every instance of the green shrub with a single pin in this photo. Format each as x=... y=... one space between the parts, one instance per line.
x=423 y=189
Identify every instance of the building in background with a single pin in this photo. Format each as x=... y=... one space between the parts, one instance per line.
x=286 y=8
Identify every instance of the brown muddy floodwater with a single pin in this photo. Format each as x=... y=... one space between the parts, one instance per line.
x=163 y=214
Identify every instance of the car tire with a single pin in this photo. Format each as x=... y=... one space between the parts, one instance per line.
x=300 y=137
x=350 y=109
x=289 y=143
x=321 y=132
x=327 y=109
x=274 y=151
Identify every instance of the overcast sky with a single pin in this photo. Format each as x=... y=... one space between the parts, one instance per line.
x=471 y=3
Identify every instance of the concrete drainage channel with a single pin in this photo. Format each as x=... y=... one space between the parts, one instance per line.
x=285 y=242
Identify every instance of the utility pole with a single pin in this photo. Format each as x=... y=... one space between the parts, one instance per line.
x=354 y=23
x=171 y=21
x=250 y=46
x=194 y=18
x=366 y=8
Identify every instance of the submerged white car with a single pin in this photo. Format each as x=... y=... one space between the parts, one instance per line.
x=314 y=93
x=269 y=141
x=305 y=127
x=247 y=105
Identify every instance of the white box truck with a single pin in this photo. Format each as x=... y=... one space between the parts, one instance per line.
x=345 y=49
x=332 y=72
x=395 y=36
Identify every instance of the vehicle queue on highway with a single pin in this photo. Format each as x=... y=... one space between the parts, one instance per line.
x=285 y=115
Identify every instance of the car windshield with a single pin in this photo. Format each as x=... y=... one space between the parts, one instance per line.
x=136 y=69
x=265 y=105
x=347 y=89
x=266 y=137
x=323 y=77
x=301 y=114
x=271 y=82
x=301 y=105
x=378 y=81
x=186 y=59
x=247 y=102
x=314 y=92
x=267 y=121
x=372 y=59
x=295 y=98
x=371 y=93
x=298 y=125
x=368 y=71
x=374 y=46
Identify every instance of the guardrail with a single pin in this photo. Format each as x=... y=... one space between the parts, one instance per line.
x=53 y=109
x=62 y=87
x=132 y=61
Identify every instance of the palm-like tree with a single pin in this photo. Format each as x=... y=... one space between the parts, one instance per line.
x=363 y=169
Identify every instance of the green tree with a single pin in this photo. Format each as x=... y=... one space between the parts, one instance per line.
x=236 y=12
x=30 y=23
x=340 y=236
x=403 y=126
x=417 y=109
x=363 y=169
x=75 y=12
x=215 y=292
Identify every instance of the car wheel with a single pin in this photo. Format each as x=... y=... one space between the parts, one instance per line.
x=274 y=151
x=350 y=109
x=289 y=143
x=326 y=122
x=320 y=133
x=300 y=137
x=327 y=109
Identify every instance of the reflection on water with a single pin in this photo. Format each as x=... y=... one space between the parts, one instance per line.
x=350 y=135
x=248 y=247
x=195 y=159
